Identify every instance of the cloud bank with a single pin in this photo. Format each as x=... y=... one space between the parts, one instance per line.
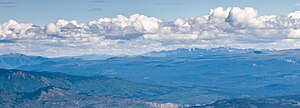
x=222 y=27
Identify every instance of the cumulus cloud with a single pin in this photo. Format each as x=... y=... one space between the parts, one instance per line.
x=294 y=34
x=219 y=15
x=12 y=29
x=52 y=28
x=137 y=34
x=294 y=15
x=244 y=18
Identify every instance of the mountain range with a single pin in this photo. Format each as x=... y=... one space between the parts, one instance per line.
x=185 y=77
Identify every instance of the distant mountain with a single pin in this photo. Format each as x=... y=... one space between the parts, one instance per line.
x=14 y=60
x=292 y=101
x=92 y=57
x=226 y=74
x=197 y=52
x=185 y=76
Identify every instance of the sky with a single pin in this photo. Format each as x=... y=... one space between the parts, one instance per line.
x=55 y=28
x=41 y=12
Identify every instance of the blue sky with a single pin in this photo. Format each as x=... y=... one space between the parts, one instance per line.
x=41 y=12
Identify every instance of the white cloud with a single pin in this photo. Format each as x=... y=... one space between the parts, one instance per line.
x=52 y=28
x=122 y=25
x=164 y=37
x=244 y=18
x=136 y=34
x=294 y=34
x=11 y=29
x=294 y=15
x=142 y=23
x=219 y=15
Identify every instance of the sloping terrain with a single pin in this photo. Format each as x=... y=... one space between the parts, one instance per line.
x=192 y=76
x=17 y=81
x=229 y=72
x=22 y=81
x=54 y=97
x=292 y=101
